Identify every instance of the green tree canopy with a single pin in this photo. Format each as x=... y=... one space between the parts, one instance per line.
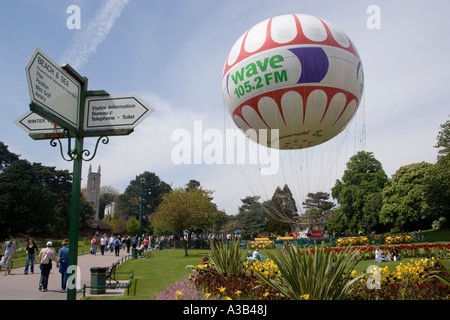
x=282 y=209
x=364 y=176
x=437 y=179
x=404 y=200
x=317 y=203
x=443 y=141
x=26 y=205
x=133 y=226
x=6 y=157
x=252 y=217
x=184 y=210
x=129 y=202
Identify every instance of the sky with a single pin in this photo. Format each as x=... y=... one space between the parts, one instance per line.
x=171 y=53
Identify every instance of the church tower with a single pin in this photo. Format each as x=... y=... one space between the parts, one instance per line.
x=93 y=190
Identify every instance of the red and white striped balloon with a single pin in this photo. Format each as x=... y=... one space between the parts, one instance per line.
x=296 y=73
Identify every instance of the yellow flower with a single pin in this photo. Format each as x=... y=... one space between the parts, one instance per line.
x=266 y=294
x=178 y=294
x=305 y=296
x=238 y=292
x=207 y=295
x=228 y=298
x=354 y=273
x=222 y=289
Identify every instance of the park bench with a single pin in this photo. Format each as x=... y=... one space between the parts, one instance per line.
x=111 y=273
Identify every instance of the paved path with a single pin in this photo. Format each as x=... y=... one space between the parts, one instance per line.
x=18 y=286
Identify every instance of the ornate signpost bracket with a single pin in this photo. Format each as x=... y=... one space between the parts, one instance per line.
x=72 y=154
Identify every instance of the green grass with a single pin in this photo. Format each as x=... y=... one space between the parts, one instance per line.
x=438 y=235
x=364 y=264
x=156 y=273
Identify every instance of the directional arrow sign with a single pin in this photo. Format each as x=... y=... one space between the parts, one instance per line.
x=32 y=123
x=38 y=127
x=115 y=112
x=54 y=93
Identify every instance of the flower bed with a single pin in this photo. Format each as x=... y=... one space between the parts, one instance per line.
x=405 y=250
x=409 y=280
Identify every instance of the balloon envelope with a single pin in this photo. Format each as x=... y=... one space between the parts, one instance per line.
x=296 y=73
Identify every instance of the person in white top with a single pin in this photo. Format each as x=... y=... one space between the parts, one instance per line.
x=45 y=257
x=256 y=254
x=379 y=256
x=103 y=242
x=111 y=243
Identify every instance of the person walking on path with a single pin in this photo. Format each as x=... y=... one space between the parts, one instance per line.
x=9 y=252
x=117 y=246
x=94 y=243
x=134 y=243
x=103 y=242
x=128 y=241
x=45 y=257
x=145 y=242
x=63 y=259
x=31 y=250
x=111 y=243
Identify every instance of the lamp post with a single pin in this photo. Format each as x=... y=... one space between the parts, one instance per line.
x=140 y=211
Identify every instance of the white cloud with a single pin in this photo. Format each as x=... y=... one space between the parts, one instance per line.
x=87 y=40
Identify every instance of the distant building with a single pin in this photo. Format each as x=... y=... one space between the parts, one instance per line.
x=109 y=209
x=93 y=190
x=97 y=228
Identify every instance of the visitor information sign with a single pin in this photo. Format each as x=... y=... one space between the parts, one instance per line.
x=115 y=112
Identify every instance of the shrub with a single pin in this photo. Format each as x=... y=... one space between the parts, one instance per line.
x=320 y=273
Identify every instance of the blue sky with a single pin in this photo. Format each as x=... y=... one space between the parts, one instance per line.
x=172 y=53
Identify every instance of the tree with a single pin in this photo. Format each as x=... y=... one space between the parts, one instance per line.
x=59 y=183
x=133 y=226
x=6 y=157
x=252 y=217
x=121 y=226
x=282 y=209
x=404 y=200
x=317 y=203
x=364 y=176
x=437 y=179
x=129 y=202
x=26 y=206
x=184 y=210
x=192 y=184
x=371 y=220
x=443 y=141
x=219 y=220
x=86 y=212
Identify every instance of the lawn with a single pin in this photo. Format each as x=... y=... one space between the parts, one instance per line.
x=156 y=273
x=364 y=264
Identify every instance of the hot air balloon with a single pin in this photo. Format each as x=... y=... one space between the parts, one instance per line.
x=296 y=73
